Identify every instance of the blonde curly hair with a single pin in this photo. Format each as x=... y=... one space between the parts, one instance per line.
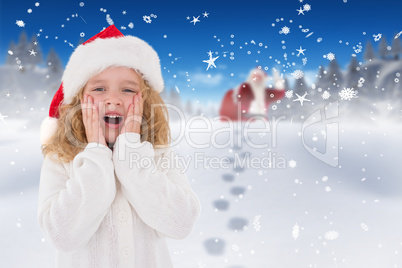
x=70 y=137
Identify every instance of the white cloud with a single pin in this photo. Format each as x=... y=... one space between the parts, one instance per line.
x=201 y=78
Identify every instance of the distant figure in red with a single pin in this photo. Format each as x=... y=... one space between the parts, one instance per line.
x=252 y=97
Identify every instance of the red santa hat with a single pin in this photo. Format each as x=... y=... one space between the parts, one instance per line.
x=108 y=48
x=257 y=70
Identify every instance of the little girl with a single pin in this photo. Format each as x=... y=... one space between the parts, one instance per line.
x=103 y=199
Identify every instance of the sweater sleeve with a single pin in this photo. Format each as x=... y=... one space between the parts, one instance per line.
x=71 y=207
x=158 y=190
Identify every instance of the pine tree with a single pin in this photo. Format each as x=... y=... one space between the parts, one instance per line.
x=369 y=52
x=352 y=74
x=189 y=108
x=396 y=47
x=300 y=86
x=320 y=78
x=382 y=48
x=54 y=62
x=34 y=45
x=21 y=50
x=334 y=76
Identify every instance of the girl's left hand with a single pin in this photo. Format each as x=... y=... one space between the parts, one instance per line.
x=134 y=115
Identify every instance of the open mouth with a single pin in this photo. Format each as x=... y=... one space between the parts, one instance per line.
x=113 y=119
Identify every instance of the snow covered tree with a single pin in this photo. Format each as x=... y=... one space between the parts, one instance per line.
x=36 y=57
x=21 y=50
x=189 y=107
x=320 y=77
x=333 y=78
x=352 y=74
x=369 y=52
x=382 y=48
x=300 y=86
x=396 y=47
x=54 y=62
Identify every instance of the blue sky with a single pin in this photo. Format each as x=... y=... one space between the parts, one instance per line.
x=249 y=29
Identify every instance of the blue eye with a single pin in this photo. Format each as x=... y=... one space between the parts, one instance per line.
x=129 y=90
x=99 y=89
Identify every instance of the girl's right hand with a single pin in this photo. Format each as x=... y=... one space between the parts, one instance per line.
x=90 y=118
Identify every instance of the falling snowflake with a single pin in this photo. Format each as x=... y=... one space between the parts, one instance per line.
x=82 y=4
x=377 y=37
x=304 y=61
x=360 y=82
x=296 y=231
x=325 y=95
x=131 y=25
x=331 y=235
x=364 y=227
x=256 y=223
x=358 y=48
x=147 y=19
x=292 y=163
x=210 y=61
x=348 y=94
x=235 y=248
x=301 y=98
x=285 y=30
x=330 y=56
x=20 y=23
x=298 y=74
x=32 y=52
x=82 y=34
x=195 y=20
x=306 y=7
x=289 y=94
x=109 y=19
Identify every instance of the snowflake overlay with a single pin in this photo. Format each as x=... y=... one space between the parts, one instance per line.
x=296 y=231
x=256 y=223
x=331 y=235
x=325 y=95
x=364 y=227
x=20 y=23
x=348 y=94
x=298 y=74
x=289 y=94
x=330 y=56
x=235 y=248
x=292 y=163
x=147 y=19
x=285 y=30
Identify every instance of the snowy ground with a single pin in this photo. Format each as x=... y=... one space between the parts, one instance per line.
x=300 y=212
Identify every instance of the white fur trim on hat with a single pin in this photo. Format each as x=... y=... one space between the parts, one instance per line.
x=47 y=129
x=92 y=58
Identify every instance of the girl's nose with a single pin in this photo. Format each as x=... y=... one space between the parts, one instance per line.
x=114 y=99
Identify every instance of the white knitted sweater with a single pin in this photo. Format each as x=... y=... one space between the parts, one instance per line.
x=114 y=209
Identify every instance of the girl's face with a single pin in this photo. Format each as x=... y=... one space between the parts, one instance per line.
x=113 y=91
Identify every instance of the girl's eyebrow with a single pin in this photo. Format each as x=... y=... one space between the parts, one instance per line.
x=131 y=82
x=95 y=82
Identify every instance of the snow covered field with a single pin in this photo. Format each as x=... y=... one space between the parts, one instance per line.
x=298 y=212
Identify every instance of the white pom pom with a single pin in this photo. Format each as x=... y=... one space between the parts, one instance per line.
x=47 y=129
